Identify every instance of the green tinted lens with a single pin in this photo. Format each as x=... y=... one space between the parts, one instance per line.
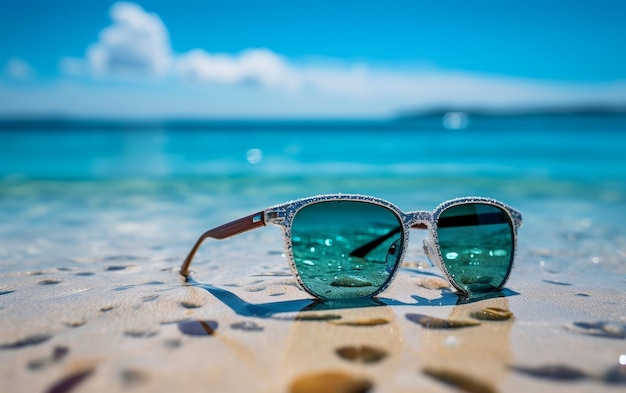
x=476 y=245
x=346 y=249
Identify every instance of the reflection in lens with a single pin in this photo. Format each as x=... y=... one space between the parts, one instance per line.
x=324 y=235
x=476 y=243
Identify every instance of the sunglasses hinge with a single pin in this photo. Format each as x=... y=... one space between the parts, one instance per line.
x=274 y=216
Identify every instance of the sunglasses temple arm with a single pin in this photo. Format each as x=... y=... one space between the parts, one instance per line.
x=233 y=228
x=365 y=249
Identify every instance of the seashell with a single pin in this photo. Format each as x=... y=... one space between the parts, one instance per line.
x=438 y=323
x=330 y=382
x=492 y=314
x=463 y=382
x=362 y=354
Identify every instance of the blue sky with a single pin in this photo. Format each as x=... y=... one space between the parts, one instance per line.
x=255 y=59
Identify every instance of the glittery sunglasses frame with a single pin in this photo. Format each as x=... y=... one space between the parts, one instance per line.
x=283 y=215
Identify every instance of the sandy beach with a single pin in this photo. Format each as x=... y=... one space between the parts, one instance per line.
x=99 y=306
x=490 y=129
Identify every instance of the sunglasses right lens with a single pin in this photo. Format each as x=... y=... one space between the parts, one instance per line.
x=476 y=245
x=346 y=249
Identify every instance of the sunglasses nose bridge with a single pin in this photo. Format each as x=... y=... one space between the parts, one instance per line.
x=422 y=220
x=419 y=219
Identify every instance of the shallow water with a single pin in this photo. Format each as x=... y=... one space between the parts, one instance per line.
x=86 y=192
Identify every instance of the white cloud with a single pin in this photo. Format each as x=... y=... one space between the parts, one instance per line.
x=18 y=69
x=137 y=43
x=258 y=66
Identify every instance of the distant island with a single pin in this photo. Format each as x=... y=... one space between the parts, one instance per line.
x=562 y=110
x=450 y=118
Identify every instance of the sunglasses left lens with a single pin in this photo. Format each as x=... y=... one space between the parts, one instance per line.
x=346 y=249
x=476 y=244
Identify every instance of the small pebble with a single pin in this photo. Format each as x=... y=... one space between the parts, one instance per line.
x=38 y=364
x=197 y=327
x=75 y=323
x=362 y=354
x=49 y=282
x=131 y=378
x=555 y=372
x=172 y=343
x=461 y=381
x=362 y=322
x=247 y=326
x=317 y=317
x=28 y=341
x=58 y=353
x=330 y=382
x=189 y=304
x=438 y=323
x=115 y=268
x=140 y=333
x=69 y=382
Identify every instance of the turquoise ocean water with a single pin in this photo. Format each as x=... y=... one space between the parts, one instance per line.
x=72 y=190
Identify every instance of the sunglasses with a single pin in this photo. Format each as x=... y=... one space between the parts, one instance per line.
x=344 y=246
